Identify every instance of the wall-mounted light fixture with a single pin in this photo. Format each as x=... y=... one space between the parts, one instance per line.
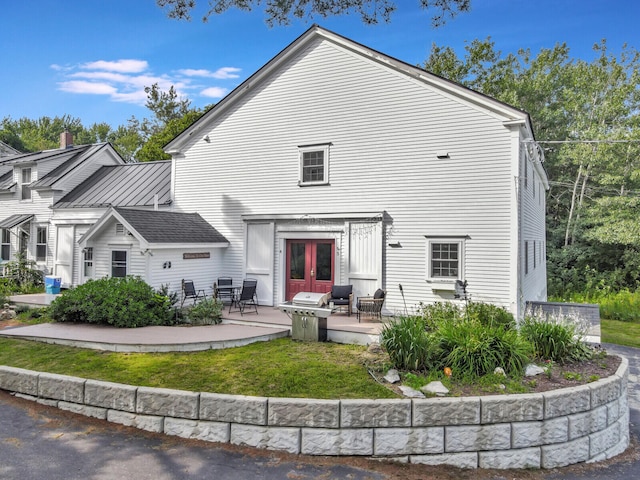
x=166 y=265
x=395 y=245
x=442 y=154
x=206 y=138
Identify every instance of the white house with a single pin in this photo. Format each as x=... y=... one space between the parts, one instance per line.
x=335 y=163
x=160 y=246
x=30 y=184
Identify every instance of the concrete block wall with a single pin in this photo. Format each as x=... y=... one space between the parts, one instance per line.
x=583 y=424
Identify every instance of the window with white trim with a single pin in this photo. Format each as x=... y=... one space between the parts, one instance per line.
x=314 y=165
x=118 y=263
x=25 y=181
x=41 y=244
x=5 y=245
x=445 y=259
x=87 y=262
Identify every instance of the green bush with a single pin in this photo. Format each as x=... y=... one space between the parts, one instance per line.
x=435 y=313
x=25 y=277
x=554 y=339
x=408 y=343
x=207 y=311
x=490 y=315
x=472 y=349
x=121 y=302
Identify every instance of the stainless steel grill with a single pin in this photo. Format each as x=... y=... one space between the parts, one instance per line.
x=308 y=316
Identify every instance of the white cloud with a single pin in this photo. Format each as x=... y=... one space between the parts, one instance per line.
x=223 y=73
x=125 y=80
x=82 y=87
x=214 y=92
x=122 y=66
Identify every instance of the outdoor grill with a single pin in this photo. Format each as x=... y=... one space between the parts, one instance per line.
x=308 y=316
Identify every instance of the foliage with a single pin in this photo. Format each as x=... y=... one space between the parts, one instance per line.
x=555 y=339
x=623 y=305
x=490 y=315
x=408 y=344
x=473 y=349
x=207 y=311
x=121 y=302
x=24 y=275
x=281 y=13
x=152 y=149
x=472 y=343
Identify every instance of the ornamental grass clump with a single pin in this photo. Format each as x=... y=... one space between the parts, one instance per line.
x=408 y=343
x=556 y=338
x=472 y=349
x=207 y=311
x=120 y=302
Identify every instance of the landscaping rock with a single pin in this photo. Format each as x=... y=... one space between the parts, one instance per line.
x=392 y=376
x=7 y=313
x=410 y=392
x=499 y=371
x=435 y=388
x=533 y=370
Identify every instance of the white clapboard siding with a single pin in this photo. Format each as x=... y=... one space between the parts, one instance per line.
x=384 y=129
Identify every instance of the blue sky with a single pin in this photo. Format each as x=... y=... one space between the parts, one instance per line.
x=92 y=58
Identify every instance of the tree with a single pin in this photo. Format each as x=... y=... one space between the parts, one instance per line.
x=152 y=149
x=165 y=106
x=281 y=13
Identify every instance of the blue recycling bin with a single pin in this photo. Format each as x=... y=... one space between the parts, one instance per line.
x=52 y=284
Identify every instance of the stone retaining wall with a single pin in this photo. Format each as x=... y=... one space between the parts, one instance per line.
x=588 y=423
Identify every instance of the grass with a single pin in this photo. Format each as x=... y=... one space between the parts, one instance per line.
x=279 y=368
x=620 y=333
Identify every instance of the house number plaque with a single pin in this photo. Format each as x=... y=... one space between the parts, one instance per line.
x=191 y=256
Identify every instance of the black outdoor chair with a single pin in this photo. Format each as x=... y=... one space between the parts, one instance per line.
x=253 y=281
x=222 y=292
x=371 y=306
x=246 y=297
x=342 y=296
x=189 y=291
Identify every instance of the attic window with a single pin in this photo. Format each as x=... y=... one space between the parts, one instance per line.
x=314 y=165
x=24 y=184
x=120 y=230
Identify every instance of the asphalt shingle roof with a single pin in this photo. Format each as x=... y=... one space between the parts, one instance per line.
x=171 y=227
x=129 y=185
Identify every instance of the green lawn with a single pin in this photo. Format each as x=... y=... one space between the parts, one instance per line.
x=620 y=333
x=279 y=368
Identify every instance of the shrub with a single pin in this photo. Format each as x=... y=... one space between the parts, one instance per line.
x=472 y=349
x=435 y=313
x=26 y=278
x=407 y=343
x=121 y=302
x=555 y=338
x=490 y=315
x=207 y=311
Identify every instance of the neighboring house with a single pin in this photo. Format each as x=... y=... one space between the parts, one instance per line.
x=133 y=185
x=7 y=150
x=161 y=247
x=30 y=184
x=335 y=163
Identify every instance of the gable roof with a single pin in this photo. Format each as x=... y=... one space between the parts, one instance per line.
x=510 y=114
x=158 y=229
x=128 y=185
x=6 y=150
x=69 y=159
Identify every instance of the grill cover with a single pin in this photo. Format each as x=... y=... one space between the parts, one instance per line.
x=310 y=299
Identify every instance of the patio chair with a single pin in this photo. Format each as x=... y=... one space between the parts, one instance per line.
x=222 y=292
x=246 y=298
x=253 y=281
x=189 y=291
x=342 y=296
x=371 y=306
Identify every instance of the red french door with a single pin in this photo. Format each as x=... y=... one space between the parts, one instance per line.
x=310 y=266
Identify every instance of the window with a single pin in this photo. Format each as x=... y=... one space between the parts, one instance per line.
x=87 y=262
x=5 y=244
x=314 y=165
x=534 y=254
x=41 y=244
x=526 y=257
x=24 y=184
x=526 y=173
x=119 y=263
x=445 y=258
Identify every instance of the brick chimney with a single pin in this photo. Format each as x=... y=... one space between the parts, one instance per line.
x=66 y=139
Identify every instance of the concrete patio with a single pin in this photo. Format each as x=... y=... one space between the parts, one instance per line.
x=235 y=330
